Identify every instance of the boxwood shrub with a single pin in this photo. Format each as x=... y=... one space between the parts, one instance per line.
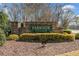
x=68 y=31
x=77 y=36
x=13 y=37
x=47 y=36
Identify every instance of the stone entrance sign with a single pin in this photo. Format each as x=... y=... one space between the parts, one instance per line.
x=40 y=28
x=31 y=27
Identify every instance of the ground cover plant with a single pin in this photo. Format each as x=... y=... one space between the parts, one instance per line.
x=13 y=37
x=48 y=36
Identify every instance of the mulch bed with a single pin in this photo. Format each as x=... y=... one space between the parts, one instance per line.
x=13 y=48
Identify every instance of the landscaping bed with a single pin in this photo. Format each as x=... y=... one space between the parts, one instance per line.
x=55 y=37
x=17 y=48
x=73 y=53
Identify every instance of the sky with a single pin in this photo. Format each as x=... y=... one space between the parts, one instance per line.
x=73 y=6
x=76 y=8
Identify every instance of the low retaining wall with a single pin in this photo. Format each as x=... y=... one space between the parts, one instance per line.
x=25 y=27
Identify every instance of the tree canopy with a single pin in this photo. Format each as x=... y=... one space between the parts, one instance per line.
x=3 y=20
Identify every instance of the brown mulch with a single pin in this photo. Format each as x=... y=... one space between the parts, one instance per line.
x=13 y=48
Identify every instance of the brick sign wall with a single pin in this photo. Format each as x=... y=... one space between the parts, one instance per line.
x=32 y=27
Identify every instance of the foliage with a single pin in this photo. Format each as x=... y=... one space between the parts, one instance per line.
x=13 y=37
x=77 y=35
x=2 y=37
x=67 y=31
x=7 y=30
x=48 y=36
x=3 y=20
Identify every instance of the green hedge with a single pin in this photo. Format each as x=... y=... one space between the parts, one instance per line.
x=13 y=37
x=47 y=36
x=77 y=36
x=68 y=31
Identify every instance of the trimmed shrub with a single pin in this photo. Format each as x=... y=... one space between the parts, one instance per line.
x=26 y=37
x=47 y=36
x=13 y=37
x=67 y=31
x=77 y=36
x=2 y=37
